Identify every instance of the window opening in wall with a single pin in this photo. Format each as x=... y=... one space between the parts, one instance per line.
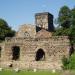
x=15 y=52
x=40 y=55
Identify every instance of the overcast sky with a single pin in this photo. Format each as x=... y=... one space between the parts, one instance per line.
x=18 y=12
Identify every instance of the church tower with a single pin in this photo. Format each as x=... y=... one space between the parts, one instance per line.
x=44 y=21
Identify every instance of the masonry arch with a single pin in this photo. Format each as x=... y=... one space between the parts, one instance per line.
x=15 y=52
x=40 y=55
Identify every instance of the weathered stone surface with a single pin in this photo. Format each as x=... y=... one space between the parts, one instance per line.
x=26 y=30
x=31 y=46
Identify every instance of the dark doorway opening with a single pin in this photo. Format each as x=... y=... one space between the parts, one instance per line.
x=40 y=55
x=15 y=52
x=0 y=51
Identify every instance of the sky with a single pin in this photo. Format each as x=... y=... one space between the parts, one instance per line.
x=19 y=12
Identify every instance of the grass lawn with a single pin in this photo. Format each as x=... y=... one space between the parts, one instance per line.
x=8 y=72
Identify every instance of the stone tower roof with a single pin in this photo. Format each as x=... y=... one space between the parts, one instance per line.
x=43 y=13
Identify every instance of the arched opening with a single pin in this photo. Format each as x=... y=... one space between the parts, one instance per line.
x=40 y=55
x=0 y=51
x=15 y=52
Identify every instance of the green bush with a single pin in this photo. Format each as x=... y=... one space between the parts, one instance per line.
x=65 y=62
x=69 y=63
x=72 y=62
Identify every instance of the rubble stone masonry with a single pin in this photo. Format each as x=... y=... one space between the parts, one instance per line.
x=29 y=49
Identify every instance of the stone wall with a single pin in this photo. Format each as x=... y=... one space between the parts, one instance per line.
x=26 y=30
x=54 y=47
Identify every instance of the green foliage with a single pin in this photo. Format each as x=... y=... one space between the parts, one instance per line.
x=64 y=17
x=72 y=31
x=66 y=21
x=73 y=22
x=65 y=63
x=62 y=31
x=73 y=16
x=72 y=35
x=8 y=72
x=5 y=30
x=69 y=63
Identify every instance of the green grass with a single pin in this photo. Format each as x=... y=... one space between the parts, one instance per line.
x=8 y=72
x=45 y=72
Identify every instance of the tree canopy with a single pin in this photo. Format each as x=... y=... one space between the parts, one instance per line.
x=66 y=23
x=64 y=17
x=5 y=30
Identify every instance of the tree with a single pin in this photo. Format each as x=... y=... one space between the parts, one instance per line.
x=64 y=17
x=64 y=21
x=73 y=16
x=72 y=32
x=5 y=30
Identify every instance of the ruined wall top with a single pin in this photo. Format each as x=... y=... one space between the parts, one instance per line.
x=43 y=13
x=26 y=30
x=49 y=39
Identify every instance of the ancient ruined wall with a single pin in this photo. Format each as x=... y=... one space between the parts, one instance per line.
x=54 y=47
x=26 y=30
x=34 y=46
